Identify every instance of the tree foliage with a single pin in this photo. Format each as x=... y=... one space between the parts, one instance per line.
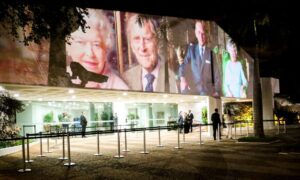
x=37 y=21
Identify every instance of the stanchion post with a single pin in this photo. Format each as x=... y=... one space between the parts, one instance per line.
x=178 y=139
x=183 y=137
x=284 y=125
x=200 y=130
x=28 y=156
x=159 y=140
x=218 y=132
x=98 y=145
x=63 y=147
x=240 y=128
x=69 y=163
x=23 y=156
x=41 y=146
x=48 y=144
x=119 y=148
x=247 y=128
x=125 y=136
x=234 y=130
x=145 y=151
x=278 y=127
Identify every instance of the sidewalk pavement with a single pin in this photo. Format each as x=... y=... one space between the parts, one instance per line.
x=226 y=159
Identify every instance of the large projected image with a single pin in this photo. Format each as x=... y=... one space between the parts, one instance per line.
x=137 y=52
x=235 y=83
x=89 y=53
x=199 y=72
x=148 y=69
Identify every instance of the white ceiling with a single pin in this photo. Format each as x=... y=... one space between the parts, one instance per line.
x=46 y=93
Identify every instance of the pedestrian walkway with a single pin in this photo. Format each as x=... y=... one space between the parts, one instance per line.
x=212 y=160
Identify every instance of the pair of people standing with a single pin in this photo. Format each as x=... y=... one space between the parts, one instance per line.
x=186 y=121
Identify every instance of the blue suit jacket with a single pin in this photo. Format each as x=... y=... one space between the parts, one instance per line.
x=198 y=72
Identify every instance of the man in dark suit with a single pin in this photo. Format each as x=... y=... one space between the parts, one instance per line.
x=83 y=123
x=215 y=118
x=199 y=73
x=191 y=119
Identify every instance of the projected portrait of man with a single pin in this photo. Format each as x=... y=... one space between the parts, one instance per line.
x=199 y=73
x=149 y=75
x=87 y=54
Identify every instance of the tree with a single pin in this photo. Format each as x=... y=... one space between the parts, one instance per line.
x=9 y=106
x=50 y=21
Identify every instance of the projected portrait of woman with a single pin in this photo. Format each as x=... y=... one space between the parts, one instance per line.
x=235 y=82
x=88 y=54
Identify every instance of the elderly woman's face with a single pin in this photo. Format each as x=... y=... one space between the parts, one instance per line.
x=233 y=52
x=88 y=49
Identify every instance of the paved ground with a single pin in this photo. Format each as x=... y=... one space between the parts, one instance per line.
x=226 y=159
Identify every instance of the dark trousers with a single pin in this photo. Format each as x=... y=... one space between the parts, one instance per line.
x=83 y=131
x=215 y=128
x=112 y=124
x=186 y=127
x=180 y=128
x=191 y=127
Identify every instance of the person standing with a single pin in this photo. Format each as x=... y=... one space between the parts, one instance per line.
x=180 y=122
x=215 y=118
x=191 y=119
x=83 y=123
x=228 y=121
x=186 y=123
x=115 y=119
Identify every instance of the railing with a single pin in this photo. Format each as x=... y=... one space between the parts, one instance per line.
x=67 y=133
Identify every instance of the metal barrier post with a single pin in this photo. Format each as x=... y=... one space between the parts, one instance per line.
x=41 y=146
x=178 y=140
x=48 y=145
x=240 y=128
x=159 y=140
x=278 y=127
x=23 y=156
x=23 y=130
x=63 y=147
x=183 y=138
x=98 y=145
x=119 y=151
x=200 y=135
x=247 y=128
x=234 y=130
x=218 y=132
x=69 y=163
x=145 y=151
x=284 y=125
x=28 y=158
x=125 y=136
